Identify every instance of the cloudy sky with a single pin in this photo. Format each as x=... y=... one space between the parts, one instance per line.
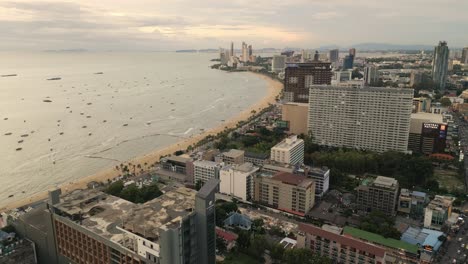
x=180 y=24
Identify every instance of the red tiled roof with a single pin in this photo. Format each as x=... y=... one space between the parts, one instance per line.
x=290 y=178
x=343 y=240
x=228 y=236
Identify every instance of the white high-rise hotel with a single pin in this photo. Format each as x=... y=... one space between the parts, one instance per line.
x=372 y=118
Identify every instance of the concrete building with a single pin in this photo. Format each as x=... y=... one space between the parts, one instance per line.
x=348 y=62
x=464 y=57
x=421 y=104
x=321 y=178
x=237 y=180
x=371 y=118
x=290 y=151
x=177 y=227
x=427 y=133
x=295 y=114
x=416 y=78
x=205 y=170
x=380 y=194
x=412 y=203
x=285 y=191
x=299 y=77
x=233 y=156
x=349 y=84
x=352 y=51
x=371 y=75
x=331 y=243
x=342 y=76
x=257 y=159
x=334 y=56
x=440 y=64
x=177 y=164
x=278 y=63
x=438 y=211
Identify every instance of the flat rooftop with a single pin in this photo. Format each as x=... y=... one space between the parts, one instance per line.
x=288 y=142
x=234 y=153
x=102 y=213
x=293 y=179
x=385 y=182
x=428 y=117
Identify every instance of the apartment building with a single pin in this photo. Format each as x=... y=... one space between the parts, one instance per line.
x=321 y=178
x=379 y=194
x=285 y=191
x=233 y=156
x=371 y=118
x=92 y=227
x=237 y=180
x=329 y=241
x=290 y=151
x=300 y=76
x=204 y=170
x=438 y=211
x=257 y=159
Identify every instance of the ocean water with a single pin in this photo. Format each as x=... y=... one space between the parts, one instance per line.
x=86 y=122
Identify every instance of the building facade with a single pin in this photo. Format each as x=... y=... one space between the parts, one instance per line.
x=296 y=116
x=464 y=57
x=278 y=63
x=371 y=75
x=285 y=191
x=290 y=151
x=438 y=211
x=204 y=170
x=380 y=194
x=330 y=242
x=440 y=63
x=237 y=180
x=372 y=118
x=299 y=77
x=428 y=133
x=334 y=56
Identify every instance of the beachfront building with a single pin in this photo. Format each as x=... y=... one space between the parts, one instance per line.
x=290 y=151
x=237 y=180
x=177 y=164
x=285 y=191
x=300 y=76
x=370 y=118
x=204 y=170
x=438 y=211
x=93 y=227
x=379 y=194
x=329 y=241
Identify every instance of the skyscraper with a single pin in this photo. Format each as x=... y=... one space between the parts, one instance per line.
x=352 y=51
x=334 y=55
x=245 y=52
x=299 y=77
x=440 y=64
x=232 y=49
x=278 y=63
x=372 y=118
x=348 y=62
x=464 y=57
x=371 y=74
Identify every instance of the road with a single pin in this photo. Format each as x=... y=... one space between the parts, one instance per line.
x=455 y=250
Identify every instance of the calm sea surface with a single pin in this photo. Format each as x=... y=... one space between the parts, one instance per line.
x=62 y=130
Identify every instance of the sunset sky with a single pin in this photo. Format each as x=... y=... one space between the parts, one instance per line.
x=180 y=24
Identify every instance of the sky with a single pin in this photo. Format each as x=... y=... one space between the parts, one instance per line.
x=186 y=24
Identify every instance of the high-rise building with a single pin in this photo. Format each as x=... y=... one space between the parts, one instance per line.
x=372 y=118
x=237 y=180
x=245 y=52
x=232 y=49
x=334 y=55
x=223 y=56
x=278 y=63
x=330 y=241
x=285 y=191
x=464 y=57
x=440 y=64
x=289 y=151
x=371 y=75
x=416 y=78
x=428 y=133
x=348 y=62
x=352 y=51
x=380 y=194
x=299 y=77
x=94 y=227
x=204 y=170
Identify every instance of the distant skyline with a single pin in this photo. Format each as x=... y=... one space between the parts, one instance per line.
x=186 y=24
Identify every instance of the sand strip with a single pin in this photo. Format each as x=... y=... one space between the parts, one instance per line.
x=274 y=88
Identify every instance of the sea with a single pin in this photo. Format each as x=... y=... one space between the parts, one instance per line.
x=67 y=115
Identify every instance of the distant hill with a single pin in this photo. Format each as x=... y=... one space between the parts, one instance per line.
x=386 y=46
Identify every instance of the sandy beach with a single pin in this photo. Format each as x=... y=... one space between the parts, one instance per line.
x=274 y=88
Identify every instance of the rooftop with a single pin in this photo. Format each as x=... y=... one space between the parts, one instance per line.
x=256 y=155
x=206 y=163
x=102 y=213
x=441 y=201
x=422 y=237
x=289 y=142
x=180 y=159
x=380 y=240
x=428 y=117
x=293 y=179
x=234 y=153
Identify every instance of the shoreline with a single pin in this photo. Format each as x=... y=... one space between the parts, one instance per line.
x=274 y=88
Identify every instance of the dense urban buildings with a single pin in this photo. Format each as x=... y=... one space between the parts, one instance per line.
x=295 y=114
x=177 y=227
x=372 y=118
x=285 y=191
x=299 y=77
x=237 y=180
x=379 y=194
x=440 y=64
x=331 y=242
x=289 y=151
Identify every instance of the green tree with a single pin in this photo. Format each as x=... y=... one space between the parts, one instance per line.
x=115 y=188
x=221 y=244
x=445 y=102
x=243 y=239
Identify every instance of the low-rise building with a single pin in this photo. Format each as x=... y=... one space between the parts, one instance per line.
x=285 y=191
x=412 y=203
x=237 y=180
x=290 y=151
x=331 y=242
x=177 y=164
x=438 y=211
x=257 y=159
x=379 y=194
x=233 y=156
x=426 y=239
x=295 y=114
x=204 y=170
